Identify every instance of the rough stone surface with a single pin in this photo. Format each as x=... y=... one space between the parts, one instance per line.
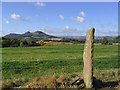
x=88 y=59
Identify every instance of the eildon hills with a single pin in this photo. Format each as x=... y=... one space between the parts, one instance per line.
x=37 y=35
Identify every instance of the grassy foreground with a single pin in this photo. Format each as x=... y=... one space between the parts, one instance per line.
x=29 y=62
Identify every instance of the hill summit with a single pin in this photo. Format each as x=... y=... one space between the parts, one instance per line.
x=30 y=35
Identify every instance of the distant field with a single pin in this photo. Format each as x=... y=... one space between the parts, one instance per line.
x=29 y=62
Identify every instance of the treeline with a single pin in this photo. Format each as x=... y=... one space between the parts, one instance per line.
x=103 y=41
x=74 y=41
x=6 y=42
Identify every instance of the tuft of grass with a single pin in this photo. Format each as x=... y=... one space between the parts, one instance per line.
x=51 y=82
x=35 y=83
x=64 y=80
x=8 y=84
x=11 y=84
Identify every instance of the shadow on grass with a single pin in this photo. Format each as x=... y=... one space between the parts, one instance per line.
x=98 y=84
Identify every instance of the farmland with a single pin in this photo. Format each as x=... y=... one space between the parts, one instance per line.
x=29 y=62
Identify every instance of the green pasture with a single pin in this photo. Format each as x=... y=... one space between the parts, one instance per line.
x=29 y=62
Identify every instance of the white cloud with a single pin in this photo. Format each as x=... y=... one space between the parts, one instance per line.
x=6 y=21
x=67 y=27
x=80 y=19
x=61 y=17
x=40 y=4
x=83 y=14
x=16 y=16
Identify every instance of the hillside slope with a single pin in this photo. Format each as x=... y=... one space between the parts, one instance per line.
x=30 y=35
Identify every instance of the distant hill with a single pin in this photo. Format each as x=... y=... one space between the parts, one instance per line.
x=110 y=38
x=37 y=35
x=30 y=35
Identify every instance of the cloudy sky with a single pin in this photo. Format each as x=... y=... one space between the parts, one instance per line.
x=60 y=18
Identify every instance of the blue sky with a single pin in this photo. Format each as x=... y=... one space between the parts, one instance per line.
x=60 y=18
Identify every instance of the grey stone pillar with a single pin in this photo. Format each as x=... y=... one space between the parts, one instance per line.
x=88 y=59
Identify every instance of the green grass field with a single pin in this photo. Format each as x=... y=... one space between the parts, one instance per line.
x=30 y=62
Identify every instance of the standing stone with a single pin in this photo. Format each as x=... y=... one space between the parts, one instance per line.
x=88 y=59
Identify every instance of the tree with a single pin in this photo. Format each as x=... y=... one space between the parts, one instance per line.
x=14 y=43
x=5 y=42
x=32 y=43
x=21 y=44
x=41 y=42
x=104 y=41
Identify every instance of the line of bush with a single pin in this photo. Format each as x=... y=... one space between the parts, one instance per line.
x=6 y=42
